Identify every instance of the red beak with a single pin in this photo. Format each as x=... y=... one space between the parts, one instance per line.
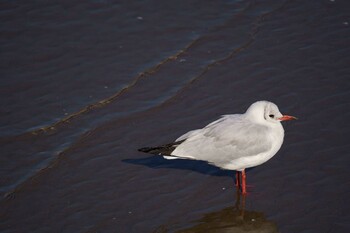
x=287 y=118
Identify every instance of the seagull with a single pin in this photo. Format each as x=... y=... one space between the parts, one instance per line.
x=233 y=142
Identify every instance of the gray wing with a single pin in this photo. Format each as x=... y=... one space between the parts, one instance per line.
x=228 y=139
x=196 y=131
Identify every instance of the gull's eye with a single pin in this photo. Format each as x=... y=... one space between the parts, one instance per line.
x=271 y=116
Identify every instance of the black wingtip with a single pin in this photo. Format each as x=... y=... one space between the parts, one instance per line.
x=161 y=150
x=145 y=149
x=151 y=150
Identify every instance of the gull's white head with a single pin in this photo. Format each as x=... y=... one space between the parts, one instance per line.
x=266 y=112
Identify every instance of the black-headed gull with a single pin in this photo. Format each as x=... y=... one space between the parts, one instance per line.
x=233 y=142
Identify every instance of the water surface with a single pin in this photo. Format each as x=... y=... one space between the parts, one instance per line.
x=84 y=84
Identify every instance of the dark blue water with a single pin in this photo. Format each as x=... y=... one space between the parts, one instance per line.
x=86 y=83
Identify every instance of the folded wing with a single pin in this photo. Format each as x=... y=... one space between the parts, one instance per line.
x=224 y=141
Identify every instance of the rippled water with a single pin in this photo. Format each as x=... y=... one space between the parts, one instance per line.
x=86 y=83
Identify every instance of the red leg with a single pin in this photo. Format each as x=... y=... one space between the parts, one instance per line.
x=244 y=188
x=237 y=179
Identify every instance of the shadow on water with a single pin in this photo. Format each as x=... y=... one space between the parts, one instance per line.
x=233 y=219
x=203 y=167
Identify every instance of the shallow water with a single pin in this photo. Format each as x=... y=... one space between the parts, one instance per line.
x=85 y=84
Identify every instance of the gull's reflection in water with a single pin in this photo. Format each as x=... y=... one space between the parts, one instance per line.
x=234 y=219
